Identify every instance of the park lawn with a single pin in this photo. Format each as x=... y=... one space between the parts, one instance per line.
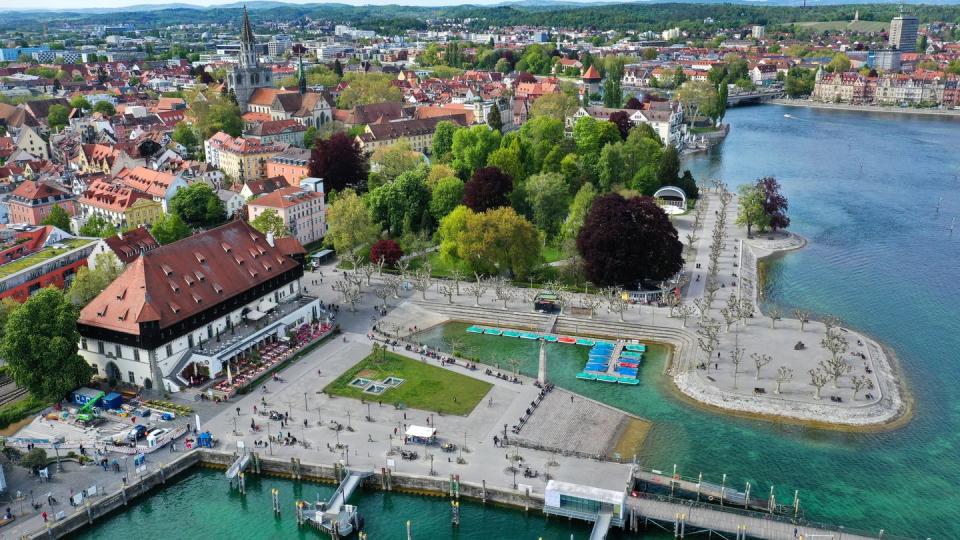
x=552 y=254
x=425 y=387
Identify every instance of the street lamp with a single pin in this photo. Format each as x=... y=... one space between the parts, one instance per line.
x=305 y=408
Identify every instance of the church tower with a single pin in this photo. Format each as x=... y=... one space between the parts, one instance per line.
x=248 y=75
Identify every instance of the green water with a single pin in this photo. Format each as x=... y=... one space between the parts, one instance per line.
x=201 y=505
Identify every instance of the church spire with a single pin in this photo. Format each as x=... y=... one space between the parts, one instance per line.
x=246 y=33
x=302 y=82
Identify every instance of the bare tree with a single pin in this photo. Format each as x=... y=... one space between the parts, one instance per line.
x=380 y=262
x=834 y=341
x=692 y=239
x=729 y=315
x=422 y=280
x=382 y=293
x=351 y=294
x=736 y=356
x=367 y=270
x=354 y=260
x=745 y=309
x=615 y=302
x=503 y=291
x=817 y=380
x=591 y=302
x=514 y=364
x=775 y=315
x=803 y=316
x=446 y=290
x=393 y=282
x=702 y=305
x=456 y=275
x=835 y=367
x=685 y=311
x=760 y=360
x=860 y=382
x=784 y=375
x=403 y=265
x=477 y=290
x=342 y=286
x=707 y=337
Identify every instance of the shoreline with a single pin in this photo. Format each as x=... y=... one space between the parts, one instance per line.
x=942 y=113
x=895 y=404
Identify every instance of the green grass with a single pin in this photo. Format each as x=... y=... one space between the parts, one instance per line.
x=426 y=387
x=40 y=256
x=552 y=254
x=18 y=410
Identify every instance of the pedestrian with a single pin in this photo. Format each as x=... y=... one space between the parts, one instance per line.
x=254 y=409
x=44 y=516
x=716 y=366
x=571 y=398
x=238 y=411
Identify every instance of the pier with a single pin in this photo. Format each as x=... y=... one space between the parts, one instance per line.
x=336 y=516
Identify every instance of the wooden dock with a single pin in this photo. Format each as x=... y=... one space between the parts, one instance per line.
x=612 y=367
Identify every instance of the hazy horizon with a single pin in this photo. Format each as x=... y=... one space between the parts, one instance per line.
x=31 y=5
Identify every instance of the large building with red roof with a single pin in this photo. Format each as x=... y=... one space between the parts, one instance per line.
x=32 y=202
x=181 y=313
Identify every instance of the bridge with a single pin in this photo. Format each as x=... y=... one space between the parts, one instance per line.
x=754 y=97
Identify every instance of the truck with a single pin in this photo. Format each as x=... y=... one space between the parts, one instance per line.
x=89 y=412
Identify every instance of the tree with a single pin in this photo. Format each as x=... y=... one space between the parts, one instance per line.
x=309 y=136
x=499 y=241
x=213 y=112
x=338 y=68
x=270 y=222
x=839 y=63
x=350 y=225
x=775 y=315
x=88 y=283
x=760 y=360
x=624 y=241
x=751 y=208
x=784 y=375
x=448 y=233
x=547 y=196
x=621 y=119
x=487 y=188
x=183 y=134
x=400 y=205
x=385 y=250
x=859 y=383
x=578 y=211
x=591 y=135
x=105 y=108
x=503 y=66
x=668 y=170
x=699 y=98
x=367 y=88
x=612 y=92
x=35 y=459
x=736 y=357
x=57 y=117
x=198 y=205
x=97 y=227
x=80 y=102
x=40 y=346
x=774 y=203
x=446 y=195
x=443 y=140
x=58 y=217
x=494 y=119
x=799 y=82
x=395 y=159
x=558 y=106
x=471 y=147
x=169 y=229
x=818 y=379
x=339 y=161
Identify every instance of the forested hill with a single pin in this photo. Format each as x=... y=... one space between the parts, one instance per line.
x=396 y=19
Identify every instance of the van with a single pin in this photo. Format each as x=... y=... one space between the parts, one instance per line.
x=136 y=433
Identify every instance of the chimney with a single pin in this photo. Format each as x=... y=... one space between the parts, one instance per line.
x=270 y=238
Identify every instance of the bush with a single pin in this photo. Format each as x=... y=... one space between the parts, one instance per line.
x=14 y=412
x=35 y=459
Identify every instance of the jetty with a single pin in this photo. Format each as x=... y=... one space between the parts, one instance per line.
x=335 y=516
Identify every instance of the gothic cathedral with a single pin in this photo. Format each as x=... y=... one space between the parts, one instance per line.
x=248 y=75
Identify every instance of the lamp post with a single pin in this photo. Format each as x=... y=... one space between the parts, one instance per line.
x=56 y=448
x=305 y=408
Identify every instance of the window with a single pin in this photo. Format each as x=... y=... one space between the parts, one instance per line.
x=131 y=378
x=119 y=351
x=169 y=350
x=100 y=347
x=136 y=354
x=190 y=340
x=83 y=343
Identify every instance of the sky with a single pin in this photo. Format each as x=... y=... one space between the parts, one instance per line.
x=82 y=4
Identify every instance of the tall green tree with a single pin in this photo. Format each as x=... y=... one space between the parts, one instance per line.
x=578 y=211
x=183 y=134
x=269 y=221
x=198 y=205
x=57 y=117
x=471 y=147
x=752 y=213
x=169 y=229
x=58 y=217
x=40 y=346
x=548 y=197
x=446 y=195
x=669 y=168
x=350 y=225
x=443 y=140
x=97 y=227
x=499 y=242
x=399 y=205
x=89 y=283
x=494 y=119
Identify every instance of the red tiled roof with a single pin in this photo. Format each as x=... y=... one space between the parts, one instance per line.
x=591 y=74
x=144 y=180
x=179 y=280
x=285 y=197
x=127 y=246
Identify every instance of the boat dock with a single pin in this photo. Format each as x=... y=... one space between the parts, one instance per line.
x=612 y=367
x=335 y=516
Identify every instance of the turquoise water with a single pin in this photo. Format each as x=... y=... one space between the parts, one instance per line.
x=201 y=505
x=863 y=188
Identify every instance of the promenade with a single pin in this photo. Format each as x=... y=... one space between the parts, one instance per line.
x=946 y=113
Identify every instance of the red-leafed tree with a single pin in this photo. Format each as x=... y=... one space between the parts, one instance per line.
x=340 y=162
x=633 y=103
x=488 y=188
x=625 y=241
x=621 y=119
x=387 y=249
x=774 y=203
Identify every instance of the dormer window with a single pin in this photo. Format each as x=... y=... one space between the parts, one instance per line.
x=225 y=246
x=217 y=288
x=174 y=307
x=189 y=280
x=238 y=258
x=173 y=286
x=103 y=311
x=166 y=269
x=253 y=273
x=198 y=256
x=196 y=298
x=122 y=294
x=199 y=275
x=123 y=316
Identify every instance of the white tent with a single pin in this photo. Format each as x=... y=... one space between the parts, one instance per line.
x=255 y=315
x=421 y=432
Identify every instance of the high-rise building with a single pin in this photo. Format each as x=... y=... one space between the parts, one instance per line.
x=248 y=74
x=903 y=33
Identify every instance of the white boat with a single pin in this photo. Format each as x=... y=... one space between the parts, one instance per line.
x=787 y=116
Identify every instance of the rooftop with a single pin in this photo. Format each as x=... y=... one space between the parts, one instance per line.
x=44 y=254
